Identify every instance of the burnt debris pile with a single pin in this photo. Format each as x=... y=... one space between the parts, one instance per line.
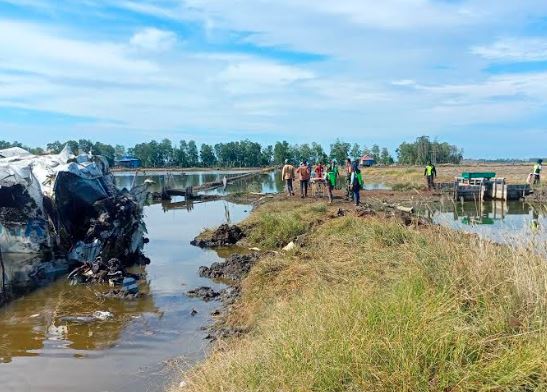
x=67 y=207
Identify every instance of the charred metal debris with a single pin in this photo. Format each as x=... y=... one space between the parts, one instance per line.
x=64 y=206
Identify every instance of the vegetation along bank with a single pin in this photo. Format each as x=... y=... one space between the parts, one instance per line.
x=366 y=300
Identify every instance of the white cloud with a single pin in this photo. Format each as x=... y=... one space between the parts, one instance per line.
x=403 y=82
x=254 y=76
x=41 y=50
x=154 y=39
x=514 y=49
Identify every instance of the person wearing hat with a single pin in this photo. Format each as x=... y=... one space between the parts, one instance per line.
x=537 y=171
x=288 y=174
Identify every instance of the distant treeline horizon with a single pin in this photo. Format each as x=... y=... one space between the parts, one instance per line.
x=246 y=153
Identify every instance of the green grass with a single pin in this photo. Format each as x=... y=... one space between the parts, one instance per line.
x=279 y=226
x=370 y=305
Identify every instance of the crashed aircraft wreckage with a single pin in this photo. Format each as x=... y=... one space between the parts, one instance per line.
x=67 y=207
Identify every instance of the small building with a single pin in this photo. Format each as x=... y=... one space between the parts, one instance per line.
x=368 y=160
x=128 y=162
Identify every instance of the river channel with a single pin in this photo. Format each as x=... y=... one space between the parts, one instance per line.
x=149 y=339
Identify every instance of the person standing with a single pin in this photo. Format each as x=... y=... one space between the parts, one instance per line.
x=331 y=177
x=349 y=188
x=304 y=176
x=537 y=171
x=356 y=180
x=430 y=173
x=287 y=174
x=319 y=170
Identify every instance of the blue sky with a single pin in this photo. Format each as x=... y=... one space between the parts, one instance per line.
x=473 y=73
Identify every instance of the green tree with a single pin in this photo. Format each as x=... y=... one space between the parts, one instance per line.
x=193 y=155
x=281 y=152
x=339 y=150
x=55 y=147
x=306 y=152
x=85 y=146
x=385 y=157
x=181 y=154
x=119 y=151
x=74 y=146
x=355 y=152
x=267 y=156
x=318 y=154
x=166 y=153
x=207 y=155
x=106 y=150
x=375 y=152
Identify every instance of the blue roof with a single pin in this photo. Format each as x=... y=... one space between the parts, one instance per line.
x=127 y=159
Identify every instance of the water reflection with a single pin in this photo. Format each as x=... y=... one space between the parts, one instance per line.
x=500 y=221
x=263 y=183
x=28 y=323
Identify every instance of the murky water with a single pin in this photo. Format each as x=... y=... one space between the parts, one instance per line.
x=148 y=339
x=516 y=223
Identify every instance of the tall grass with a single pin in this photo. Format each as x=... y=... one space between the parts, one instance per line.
x=370 y=305
x=281 y=225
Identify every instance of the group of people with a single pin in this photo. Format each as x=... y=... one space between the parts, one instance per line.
x=325 y=175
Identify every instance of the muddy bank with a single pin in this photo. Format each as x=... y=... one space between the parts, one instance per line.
x=233 y=269
x=224 y=235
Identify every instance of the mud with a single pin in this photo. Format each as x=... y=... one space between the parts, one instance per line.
x=205 y=293
x=233 y=269
x=225 y=235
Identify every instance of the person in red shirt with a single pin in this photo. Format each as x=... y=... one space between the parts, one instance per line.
x=303 y=172
x=319 y=170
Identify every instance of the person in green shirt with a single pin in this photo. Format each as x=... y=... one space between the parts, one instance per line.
x=430 y=173
x=356 y=183
x=349 y=188
x=331 y=176
x=537 y=171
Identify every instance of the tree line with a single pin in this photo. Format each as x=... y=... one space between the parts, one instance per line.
x=424 y=150
x=246 y=153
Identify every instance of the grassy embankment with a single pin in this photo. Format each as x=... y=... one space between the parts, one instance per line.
x=403 y=178
x=370 y=305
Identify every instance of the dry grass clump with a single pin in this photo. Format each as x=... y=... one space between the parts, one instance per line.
x=367 y=304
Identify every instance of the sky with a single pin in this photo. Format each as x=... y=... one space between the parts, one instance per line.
x=473 y=73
